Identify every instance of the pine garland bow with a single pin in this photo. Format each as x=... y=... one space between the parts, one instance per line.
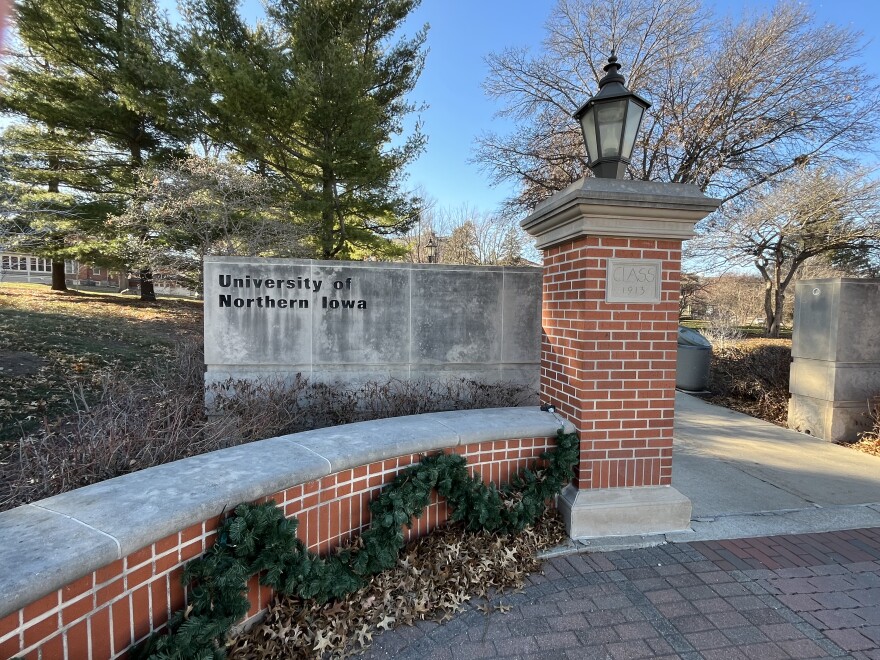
x=258 y=539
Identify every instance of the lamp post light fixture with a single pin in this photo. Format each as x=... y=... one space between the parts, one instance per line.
x=610 y=121
x=431 y=250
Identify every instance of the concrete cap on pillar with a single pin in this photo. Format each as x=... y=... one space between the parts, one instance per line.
x=616 y=207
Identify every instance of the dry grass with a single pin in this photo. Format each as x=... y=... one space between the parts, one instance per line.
x=869 y=441
x=60 y=348
x=869 y=444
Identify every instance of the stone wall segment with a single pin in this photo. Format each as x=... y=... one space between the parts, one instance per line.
x=353 y=321
x=835 y=371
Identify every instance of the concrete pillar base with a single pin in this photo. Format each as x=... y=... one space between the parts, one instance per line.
x=623 y=511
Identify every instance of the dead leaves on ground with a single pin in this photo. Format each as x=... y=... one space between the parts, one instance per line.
x=869 y=444
x=434 y=579
x=56 y=345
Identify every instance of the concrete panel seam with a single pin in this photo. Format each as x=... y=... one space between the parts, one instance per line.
x=458 y=442
x=501 y=325
x=321 y=456
x=84 y=524
x=312 y=333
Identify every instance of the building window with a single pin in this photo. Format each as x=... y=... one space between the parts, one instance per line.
x=96 y=270
x=22 y=263
x=71 y=267
x=14 y=263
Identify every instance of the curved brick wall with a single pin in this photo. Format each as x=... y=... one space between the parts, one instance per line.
x=88 y=573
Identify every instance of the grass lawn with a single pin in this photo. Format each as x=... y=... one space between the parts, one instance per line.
x=746 y=330
x=51 y=341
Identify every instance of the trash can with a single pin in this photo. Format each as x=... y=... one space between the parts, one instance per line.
x=692 y=363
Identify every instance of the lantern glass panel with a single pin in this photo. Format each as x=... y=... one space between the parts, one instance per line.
x=609 y=117
x=633 y=119
x=588 y=125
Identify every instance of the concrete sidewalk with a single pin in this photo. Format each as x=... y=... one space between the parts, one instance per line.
x=746 y=477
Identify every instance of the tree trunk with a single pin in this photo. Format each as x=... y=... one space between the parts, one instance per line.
x=768 y=306
x=773 y=331
x=148 y=293
x=778 y=301
x=59 y=283
x=328 y=217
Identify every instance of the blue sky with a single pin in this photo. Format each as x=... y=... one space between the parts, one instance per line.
x=463 y=32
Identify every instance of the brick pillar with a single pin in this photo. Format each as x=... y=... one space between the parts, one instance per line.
x=612 y=263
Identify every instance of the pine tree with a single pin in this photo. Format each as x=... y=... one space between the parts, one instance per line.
x=511 y=247
x=317 y=94
x=94 y=75
x=56 y=198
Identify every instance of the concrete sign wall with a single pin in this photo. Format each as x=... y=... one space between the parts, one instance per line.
x=355 y=321
x=835 y=369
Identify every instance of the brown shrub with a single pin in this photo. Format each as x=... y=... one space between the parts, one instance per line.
x=869 y=441
x=138 y=425
x=751 y=375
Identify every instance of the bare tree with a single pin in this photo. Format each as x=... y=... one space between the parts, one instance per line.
x=460 y=246
x=692 y=295
x=734 y=104
x=735 y=296
x=196 y=207
x=418 y=234
x=779 y=227
x=468 y=235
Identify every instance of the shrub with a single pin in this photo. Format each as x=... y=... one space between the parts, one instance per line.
x=721 y=328
x=869 y=441
x=139 y=424
x=751 y=375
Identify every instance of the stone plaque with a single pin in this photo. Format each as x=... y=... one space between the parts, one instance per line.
x=633 y=281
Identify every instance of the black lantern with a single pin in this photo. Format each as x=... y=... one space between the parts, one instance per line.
x=431 y=250
x=610 y=121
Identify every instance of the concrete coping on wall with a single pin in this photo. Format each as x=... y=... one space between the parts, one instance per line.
x=50 y=543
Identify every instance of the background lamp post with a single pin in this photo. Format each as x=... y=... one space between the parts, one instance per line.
x=610 y=121
x=431 y=250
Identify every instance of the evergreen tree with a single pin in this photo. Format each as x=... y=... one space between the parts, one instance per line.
x=42 y=217
x=94 y=75
x=511 y=247
x=316 y=94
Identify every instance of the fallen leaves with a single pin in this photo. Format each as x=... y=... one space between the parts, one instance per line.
x=385 y=623
x=434 y=578
x=869 y=444
x=55 y=344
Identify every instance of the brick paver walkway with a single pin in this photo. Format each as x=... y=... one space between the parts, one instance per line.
x=807 y=596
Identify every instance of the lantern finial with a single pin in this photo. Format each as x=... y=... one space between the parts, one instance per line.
x=612 y=72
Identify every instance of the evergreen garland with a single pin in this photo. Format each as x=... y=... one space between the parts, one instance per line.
x=259 y=539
